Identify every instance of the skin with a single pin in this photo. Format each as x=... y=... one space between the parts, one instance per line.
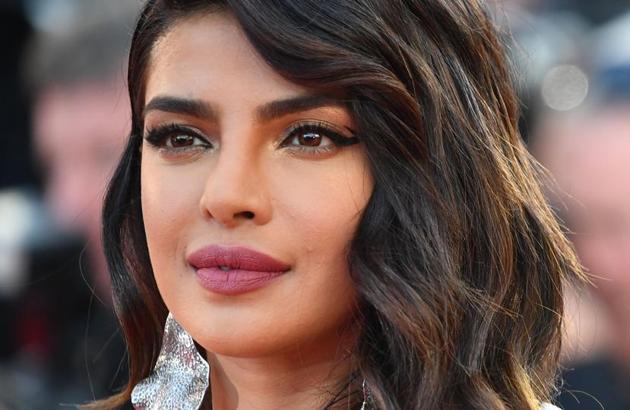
x=287 y=344
x=79 y=154
x=588 y=156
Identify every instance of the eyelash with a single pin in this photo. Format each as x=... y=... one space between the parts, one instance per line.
x=158 y=137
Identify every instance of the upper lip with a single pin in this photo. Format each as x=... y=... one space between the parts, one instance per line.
x=235 y=257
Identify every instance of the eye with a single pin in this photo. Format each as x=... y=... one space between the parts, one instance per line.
x=177 y=141
x=175 y=137
x=316 y=138
x=309 y=139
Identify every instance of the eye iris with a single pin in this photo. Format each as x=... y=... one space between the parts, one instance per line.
x=311 y=139
x=181 y=140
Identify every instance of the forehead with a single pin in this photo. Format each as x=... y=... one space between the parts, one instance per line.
x=208 y=56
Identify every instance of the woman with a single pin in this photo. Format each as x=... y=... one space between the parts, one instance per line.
x=332 y=199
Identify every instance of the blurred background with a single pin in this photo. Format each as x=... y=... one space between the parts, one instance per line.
x=65 y=114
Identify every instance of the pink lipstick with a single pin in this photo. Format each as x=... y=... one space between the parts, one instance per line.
x=234 y=270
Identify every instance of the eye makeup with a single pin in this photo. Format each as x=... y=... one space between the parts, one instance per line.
x=177 y=141
x=303 y=138
x=315 y=137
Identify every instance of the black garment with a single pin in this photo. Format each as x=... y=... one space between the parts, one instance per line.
x=16 y=163
x=595 y=385
x=67 y=346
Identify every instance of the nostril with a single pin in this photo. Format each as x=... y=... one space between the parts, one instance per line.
x=247 y=214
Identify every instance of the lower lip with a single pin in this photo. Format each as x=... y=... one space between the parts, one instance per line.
x=234 y=282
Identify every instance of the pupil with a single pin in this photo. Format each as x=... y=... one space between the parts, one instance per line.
x=181 y=140
x=310 y=139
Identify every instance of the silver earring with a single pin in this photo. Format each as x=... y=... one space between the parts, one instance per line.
x=367 y=396
x=180 y=377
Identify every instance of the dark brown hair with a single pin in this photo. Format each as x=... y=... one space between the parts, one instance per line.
x=458 y=262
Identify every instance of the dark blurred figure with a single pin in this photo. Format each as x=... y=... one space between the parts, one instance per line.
x=15 y=154
x=67 y=345
x=16 y=169
x=589 y=156
x=587 y=151
x=81 y=117
x=579 y=93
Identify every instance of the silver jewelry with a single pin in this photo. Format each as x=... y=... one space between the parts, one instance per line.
x=180 y=378
x=367 y=396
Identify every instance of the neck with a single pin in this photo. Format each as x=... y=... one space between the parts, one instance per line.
x=290 y=380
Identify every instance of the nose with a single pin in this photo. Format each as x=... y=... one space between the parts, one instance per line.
x=235 y=191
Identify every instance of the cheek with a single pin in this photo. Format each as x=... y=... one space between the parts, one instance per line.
x=325 y=206
x=170 y=202
x=321 y=215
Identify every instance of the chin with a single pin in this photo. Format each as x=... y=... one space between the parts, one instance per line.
x=245 y=347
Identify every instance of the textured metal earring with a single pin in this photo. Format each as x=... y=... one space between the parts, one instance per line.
x=367 y=396
x=180 y=377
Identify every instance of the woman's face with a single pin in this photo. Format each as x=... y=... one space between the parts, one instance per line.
x=236 y=158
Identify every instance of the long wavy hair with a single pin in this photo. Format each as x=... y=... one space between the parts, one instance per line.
x=458 y=262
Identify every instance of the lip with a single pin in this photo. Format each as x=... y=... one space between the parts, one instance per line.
x=248 y=269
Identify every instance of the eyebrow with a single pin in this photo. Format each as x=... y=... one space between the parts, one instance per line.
x=177 y=105
x=264 y=113
x=280 y=108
